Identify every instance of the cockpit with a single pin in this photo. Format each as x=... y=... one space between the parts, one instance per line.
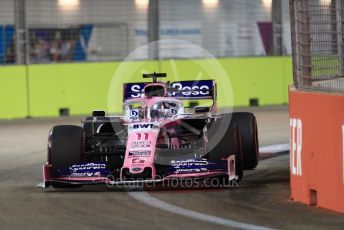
x=164 y=109
x=155 y=109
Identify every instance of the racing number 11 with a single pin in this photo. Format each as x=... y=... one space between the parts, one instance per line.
x=144 y=135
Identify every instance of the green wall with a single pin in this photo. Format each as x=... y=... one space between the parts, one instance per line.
x=83 y=87
x=79 y=87
x=264 y=78
x=13 y=92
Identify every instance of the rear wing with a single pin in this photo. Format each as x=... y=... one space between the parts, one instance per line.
x=183 y=90
x=133 y=90
x=189 y=90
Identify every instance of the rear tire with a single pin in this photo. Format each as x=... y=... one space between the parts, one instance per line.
x=65 y=148
x=247 y=125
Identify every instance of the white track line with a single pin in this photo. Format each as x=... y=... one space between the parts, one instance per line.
x=275 y=148
x=145 y=198
x=343 y=151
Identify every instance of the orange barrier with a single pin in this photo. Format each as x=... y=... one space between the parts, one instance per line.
x=317 y=148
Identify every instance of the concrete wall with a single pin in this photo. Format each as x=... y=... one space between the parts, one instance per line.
x=316 y=148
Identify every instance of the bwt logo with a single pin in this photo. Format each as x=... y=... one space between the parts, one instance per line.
x=143 y=126
x=296 y=146
x=194 y=90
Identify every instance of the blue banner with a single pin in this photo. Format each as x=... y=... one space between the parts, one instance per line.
x=7 y=50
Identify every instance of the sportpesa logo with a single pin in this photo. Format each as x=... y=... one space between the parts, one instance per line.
x=183 y=89
x=195 y=90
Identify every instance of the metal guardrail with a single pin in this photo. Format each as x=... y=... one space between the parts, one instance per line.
x=106 y=30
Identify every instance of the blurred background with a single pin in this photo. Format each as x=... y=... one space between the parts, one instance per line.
x=57 y=57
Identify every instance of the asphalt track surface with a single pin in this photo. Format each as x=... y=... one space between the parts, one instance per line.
x=261 y=202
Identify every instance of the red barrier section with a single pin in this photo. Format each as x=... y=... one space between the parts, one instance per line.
x=316 y=148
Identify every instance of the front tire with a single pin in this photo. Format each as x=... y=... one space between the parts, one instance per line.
x=65 y=148
x=229 y=144
x=247 y=125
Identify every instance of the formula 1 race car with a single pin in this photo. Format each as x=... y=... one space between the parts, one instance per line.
x=155 y=141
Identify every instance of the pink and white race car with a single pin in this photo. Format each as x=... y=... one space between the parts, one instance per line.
x=156 y=140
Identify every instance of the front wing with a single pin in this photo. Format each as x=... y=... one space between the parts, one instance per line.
x=94 y=178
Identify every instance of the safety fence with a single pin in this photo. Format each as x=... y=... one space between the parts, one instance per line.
x=317 y=43
x=54 y=31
